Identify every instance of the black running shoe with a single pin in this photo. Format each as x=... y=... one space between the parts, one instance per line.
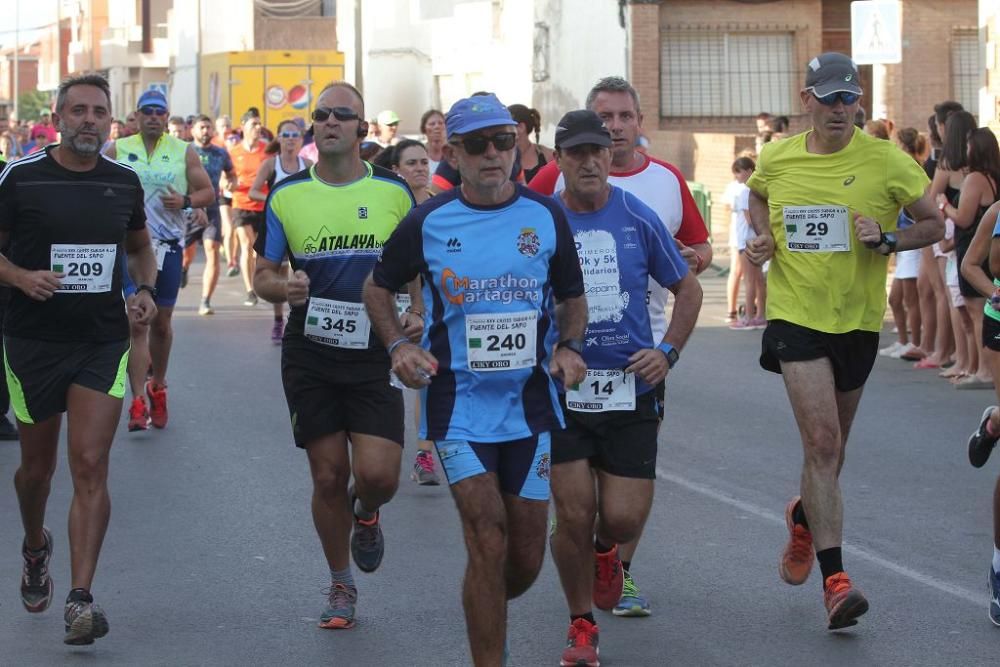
x=36 y=584
x=981 y=443
x=367 y=542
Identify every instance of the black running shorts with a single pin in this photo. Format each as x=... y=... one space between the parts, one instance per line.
x=40 y=372
x=324 y=398
x=852 y=354
x=619 y=442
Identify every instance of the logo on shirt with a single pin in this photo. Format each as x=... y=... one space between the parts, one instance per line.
x=454 y=245
x=592 y=340
x=544 y=466
x=326 y=244
x=528 y=242
x=848 y=181
x=109 y=192
x=362 y=213
x=504 y=289
x=132 y=157
x=165 y=158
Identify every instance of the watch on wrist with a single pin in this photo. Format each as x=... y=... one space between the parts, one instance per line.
x=670 y=352
x=148 y=288
x=573 y=344
x=889 y=240
x=187 y=202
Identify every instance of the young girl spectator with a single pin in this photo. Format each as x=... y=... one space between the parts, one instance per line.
x=753 y=275
x=742 y=168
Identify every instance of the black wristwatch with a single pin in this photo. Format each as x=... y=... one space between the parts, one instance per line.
x=148 y=288
x=889 y=239
x=187 y=203
x=571 y=344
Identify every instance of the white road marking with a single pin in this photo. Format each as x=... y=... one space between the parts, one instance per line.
x=859 y=552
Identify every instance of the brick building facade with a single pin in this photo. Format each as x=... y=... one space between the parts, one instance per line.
x=704 y=70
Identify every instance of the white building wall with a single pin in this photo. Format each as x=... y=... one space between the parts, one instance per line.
x=585 y=42
x=183 y=79
x=418 y=54
x=227 y=25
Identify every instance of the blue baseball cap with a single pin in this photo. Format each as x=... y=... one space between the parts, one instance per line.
x=475 y=113
x=152 y=98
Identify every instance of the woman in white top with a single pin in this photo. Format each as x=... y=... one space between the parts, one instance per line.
x=286 y=161
x=409 y=159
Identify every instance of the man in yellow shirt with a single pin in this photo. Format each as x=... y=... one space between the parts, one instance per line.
x=824 y=205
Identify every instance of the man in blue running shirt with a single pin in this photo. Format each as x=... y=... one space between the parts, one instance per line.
x=604 y=462
x=507 y=314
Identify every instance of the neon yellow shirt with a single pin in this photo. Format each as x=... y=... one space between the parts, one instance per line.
x=821 y=276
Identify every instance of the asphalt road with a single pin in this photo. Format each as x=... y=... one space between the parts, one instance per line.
x=211 y=558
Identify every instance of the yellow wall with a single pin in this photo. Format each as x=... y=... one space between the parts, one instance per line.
x=282 y=84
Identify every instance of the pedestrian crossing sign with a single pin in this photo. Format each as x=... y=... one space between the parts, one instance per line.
x=876 y=32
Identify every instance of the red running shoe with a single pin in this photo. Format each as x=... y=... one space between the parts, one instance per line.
x=609 y=578
x=844 y=603
x=138 y=414
x=797 y=558
x=581 y=645
x=157 y=404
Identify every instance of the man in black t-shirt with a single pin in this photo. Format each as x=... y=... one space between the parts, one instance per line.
x=68 y=215
x=7 y=430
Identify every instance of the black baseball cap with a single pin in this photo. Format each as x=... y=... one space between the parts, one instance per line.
x=582 y=127
x=833 y=72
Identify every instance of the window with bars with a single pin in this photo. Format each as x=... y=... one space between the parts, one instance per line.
x=966 y=68
x=722 y=73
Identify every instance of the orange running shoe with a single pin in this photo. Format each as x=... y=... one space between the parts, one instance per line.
x=157 y=404
x=797 y=558
x=844 y=603
x=138 y=414
x=609 y=578
x=581 y=645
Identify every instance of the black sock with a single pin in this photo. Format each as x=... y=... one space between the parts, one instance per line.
x=830 y=562
x=799 y=515
x=79 y=595
x=602 y=548
x=589 y=616
x=627 y=565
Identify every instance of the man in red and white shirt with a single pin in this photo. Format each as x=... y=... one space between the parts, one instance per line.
x=662 y=187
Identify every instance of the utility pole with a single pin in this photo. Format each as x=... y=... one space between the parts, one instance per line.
x=17 y=47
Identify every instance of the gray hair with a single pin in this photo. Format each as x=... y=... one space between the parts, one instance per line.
x=612 y=84
x=95 y=80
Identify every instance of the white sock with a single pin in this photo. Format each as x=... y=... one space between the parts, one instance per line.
x=996 y=559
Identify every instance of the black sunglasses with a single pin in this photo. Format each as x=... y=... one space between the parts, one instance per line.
x=153 y=111
x=321 y=114
x=831 y=99
x=475 y=144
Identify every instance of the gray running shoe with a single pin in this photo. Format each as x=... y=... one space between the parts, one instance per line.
x=423 y=470
x=85 y=622
x=36 y=584
x=251 y=299
x=367 y=542
x=339 y=612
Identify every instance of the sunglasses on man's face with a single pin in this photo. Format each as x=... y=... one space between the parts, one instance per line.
x=290 y=135
x=321 y=114
x=475 y=144
x=831 y=99
x=153 y=111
